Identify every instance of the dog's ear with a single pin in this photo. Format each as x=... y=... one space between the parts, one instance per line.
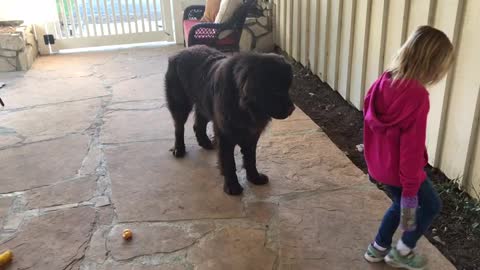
x=244 y=85
x=246 y=94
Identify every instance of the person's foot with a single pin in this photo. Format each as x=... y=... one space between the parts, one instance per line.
x=410 y=261
x=374 y=255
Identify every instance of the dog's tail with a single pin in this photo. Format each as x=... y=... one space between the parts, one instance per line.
x=173 y=84
x=172 y=79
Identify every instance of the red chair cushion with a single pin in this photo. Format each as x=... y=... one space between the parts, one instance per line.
x=227 y=41
x=207 y=34
x=187 y=25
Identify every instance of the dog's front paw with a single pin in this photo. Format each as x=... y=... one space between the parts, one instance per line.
x=178 y=152
x=233 y=188
x=259 y=180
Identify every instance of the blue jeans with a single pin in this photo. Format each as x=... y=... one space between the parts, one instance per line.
x=429 y=207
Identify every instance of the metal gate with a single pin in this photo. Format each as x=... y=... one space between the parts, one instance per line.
x=91 y=23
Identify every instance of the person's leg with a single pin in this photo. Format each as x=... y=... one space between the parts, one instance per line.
x=377 y=250
x=391 y=219
x=429 y=207
x=402 y=256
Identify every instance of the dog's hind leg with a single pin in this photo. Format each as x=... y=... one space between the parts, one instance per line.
x=180 y=116
x=180 y=107
x=200 y=128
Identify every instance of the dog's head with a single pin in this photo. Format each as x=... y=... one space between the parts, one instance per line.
x=264 y=82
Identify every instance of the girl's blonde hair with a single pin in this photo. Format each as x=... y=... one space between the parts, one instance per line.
x=426 y=56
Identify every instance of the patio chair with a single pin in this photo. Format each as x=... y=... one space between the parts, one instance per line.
x=202 y=33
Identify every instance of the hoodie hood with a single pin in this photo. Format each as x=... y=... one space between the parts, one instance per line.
x=388 y=102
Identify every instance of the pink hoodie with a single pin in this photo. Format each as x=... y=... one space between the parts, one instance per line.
x=394 y=133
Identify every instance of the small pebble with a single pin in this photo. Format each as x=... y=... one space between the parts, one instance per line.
x=437 y=238
x=360 y=148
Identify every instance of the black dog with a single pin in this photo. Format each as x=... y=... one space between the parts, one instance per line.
x=240 y=94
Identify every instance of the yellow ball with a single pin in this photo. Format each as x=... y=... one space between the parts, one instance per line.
x=6 y=257
x=127 y=234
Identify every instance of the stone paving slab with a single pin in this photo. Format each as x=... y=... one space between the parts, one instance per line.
x=138 y=89
x=233 y=248
x=160 y=187
x=144 y=267
x=55 y=240
x=84 y=153
x=39 y=164
x=8 y=137
x=291 y=154
x=130 y=126
x=136 y=105
x=69 y=192
x=63 y=119
x=316 y=231
x=154 y=238
x=31 y=92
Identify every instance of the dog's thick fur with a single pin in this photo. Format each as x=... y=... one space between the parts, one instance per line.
x=240 y=94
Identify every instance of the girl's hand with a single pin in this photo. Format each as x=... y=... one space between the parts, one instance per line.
x=408 y=215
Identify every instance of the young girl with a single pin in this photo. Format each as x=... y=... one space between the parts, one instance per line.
x=396 y=109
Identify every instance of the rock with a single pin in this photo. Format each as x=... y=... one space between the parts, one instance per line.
x=39 y=164
x=11 y=23
x=234 y=249
x=30 y=38
x=12 y=41
x=154 y=238
x=8 y=53
x=256 y=37
x=360 y=148
x=69 y=192
x=8 y=64
x=26 y=57
x=52 y=241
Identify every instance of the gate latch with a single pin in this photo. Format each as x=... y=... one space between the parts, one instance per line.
x=49 y=39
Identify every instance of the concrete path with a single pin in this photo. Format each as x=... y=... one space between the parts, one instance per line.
x=84 y=154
